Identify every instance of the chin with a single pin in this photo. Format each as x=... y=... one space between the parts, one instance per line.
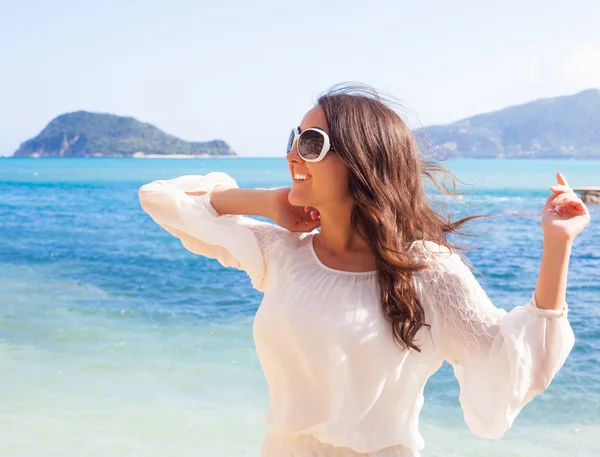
x=298 y=198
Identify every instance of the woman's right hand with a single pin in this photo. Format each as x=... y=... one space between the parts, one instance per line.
x=290 y=217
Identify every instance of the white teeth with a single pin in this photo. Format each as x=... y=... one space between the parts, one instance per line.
x=298 y=176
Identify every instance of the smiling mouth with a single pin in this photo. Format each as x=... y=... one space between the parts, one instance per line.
x=301 y=177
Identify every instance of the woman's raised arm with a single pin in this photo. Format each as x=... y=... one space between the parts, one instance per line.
x=208 y=214
x=228 y=199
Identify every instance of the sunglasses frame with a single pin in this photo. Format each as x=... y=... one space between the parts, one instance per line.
x=324 y=150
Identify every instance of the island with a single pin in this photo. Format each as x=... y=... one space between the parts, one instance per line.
x=88 y=134
x=565 y=127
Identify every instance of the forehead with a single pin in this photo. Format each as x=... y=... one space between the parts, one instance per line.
x=315 y=117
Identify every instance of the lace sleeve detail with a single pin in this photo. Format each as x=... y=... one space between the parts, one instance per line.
x=270 y=237
x=501 y=359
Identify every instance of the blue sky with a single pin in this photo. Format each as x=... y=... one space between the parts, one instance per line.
x=246 y=72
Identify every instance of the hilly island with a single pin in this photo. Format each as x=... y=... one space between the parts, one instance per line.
x=86 y=134
x=560 y=127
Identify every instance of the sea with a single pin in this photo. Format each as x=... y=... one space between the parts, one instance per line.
x=116 y=341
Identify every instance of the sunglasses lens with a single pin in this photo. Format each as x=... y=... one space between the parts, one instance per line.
x=310 y=144
x=290 y=141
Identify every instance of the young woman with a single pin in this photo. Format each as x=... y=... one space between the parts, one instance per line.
x=357 y=316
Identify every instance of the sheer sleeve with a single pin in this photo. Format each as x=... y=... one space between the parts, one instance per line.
x=234 y=240
x=501 y=359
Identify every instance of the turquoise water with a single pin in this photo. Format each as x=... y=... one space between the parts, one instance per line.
x=115 y=340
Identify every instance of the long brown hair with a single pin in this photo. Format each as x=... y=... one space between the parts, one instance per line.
x=386 y=168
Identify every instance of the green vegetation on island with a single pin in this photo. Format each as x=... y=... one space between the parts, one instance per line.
x=559 y=127
x=85 y=134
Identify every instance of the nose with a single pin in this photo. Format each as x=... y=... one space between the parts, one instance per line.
x=293 y=156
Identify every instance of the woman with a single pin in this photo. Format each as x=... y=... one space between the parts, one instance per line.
x=357 y=316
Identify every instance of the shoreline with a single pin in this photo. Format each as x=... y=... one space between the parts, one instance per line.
x=142 y=155
x=134 y=156
x=138 y=155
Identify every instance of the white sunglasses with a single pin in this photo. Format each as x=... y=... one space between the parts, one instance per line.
x=313 y=144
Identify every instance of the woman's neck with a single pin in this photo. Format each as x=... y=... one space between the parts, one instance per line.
x=337 y=234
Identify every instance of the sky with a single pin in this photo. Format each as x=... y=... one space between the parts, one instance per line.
x=247 y=71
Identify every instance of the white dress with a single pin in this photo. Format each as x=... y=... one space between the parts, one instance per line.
x=338 y=384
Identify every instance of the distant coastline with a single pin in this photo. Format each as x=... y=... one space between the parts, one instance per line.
x=143 y=155
x=564 y=127
x=140 y=155
x=86 y=134
x=186 y=156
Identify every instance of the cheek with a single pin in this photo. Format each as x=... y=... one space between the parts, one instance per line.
x=330 y=183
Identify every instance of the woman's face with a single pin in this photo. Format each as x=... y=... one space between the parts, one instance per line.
x=327 y=183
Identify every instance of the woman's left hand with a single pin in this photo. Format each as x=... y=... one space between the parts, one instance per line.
x=566 y=222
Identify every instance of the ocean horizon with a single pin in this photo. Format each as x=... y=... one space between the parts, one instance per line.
x=115 y=339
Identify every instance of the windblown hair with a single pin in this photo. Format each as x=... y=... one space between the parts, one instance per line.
x=391 y=210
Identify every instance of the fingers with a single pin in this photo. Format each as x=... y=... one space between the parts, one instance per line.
x=562 y=194
x=562 y=200
x=561 y=179
x=567 y=199
x=560 y=188
x=314 y=214
x=306 y=226
x=549 y=204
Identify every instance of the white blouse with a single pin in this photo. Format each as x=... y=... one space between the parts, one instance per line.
x=335 y=375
